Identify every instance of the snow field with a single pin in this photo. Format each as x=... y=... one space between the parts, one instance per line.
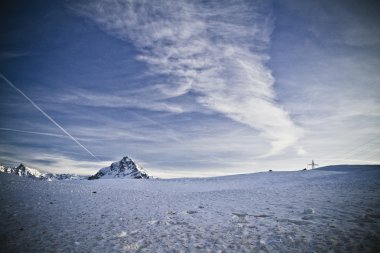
x=302 y=211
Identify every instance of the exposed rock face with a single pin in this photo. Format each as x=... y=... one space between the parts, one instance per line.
x=125 y=168
x=21 y=170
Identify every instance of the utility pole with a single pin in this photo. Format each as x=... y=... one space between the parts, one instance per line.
x=313 y=164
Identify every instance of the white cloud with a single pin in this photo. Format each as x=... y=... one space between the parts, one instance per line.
x=5 y=55
x=330 y=87
x=215 y=50
x=129 y=100
x=300 y=151
x=56 y=163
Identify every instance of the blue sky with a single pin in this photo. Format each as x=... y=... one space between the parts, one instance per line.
x=190 y=88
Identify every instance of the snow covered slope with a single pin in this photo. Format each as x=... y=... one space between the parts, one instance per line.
x=125 y=168
x=24 y=171
x=348 y=167
x=299 y=211
x=21 y=170
x=53 y=176
x=5 y=169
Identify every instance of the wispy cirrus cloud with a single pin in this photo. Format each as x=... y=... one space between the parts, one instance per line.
x=55 y=163
x=216 y=50
x=5 y=55
x=130 y=99
x=33 y=132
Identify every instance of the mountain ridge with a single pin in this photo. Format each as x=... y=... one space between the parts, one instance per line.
x=24 y=171
x=125 y=168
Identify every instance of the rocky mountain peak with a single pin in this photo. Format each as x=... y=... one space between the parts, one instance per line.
x=125 y=168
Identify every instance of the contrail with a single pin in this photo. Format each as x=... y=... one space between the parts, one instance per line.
x=32 y=132
x=46 y=115
x=173 y=137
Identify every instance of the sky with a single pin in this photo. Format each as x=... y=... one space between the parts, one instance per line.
x=189 y=88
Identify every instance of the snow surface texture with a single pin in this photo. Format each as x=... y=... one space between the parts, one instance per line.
x=335 y=209
x=125 y=168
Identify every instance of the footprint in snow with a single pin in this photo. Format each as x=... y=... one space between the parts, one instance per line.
x=241 y=217
x=154 y=222
x=122 y=234
x=308 y=211
x=134 y=232
x=297 y=222
x=260 y=215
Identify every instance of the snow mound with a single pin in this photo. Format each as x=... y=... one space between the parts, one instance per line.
x=125 y=168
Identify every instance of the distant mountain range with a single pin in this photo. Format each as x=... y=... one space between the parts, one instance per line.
x=125 y=168
x=24 y=171
x=21 y=171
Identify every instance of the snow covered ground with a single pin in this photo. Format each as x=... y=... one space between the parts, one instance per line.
x=336 y=209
